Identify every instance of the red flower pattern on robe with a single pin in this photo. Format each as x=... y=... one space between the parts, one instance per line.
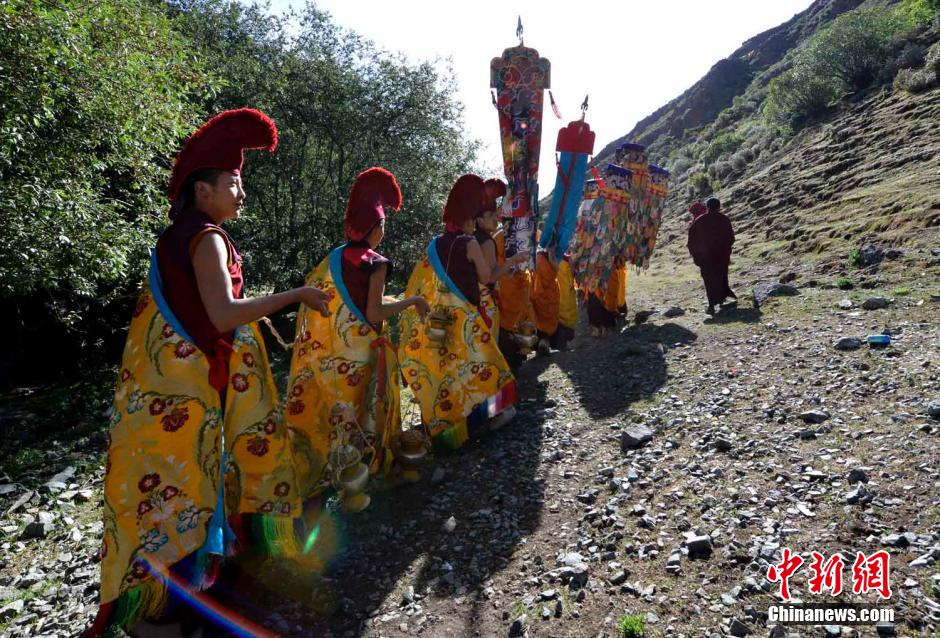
x=184 y=349
x=175 y=419
x=148 y=482
x=239 y=382
x=258 y=446
x=157 y=406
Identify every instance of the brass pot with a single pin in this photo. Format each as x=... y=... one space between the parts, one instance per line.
x=343 y=456
x=438 y=321
x=354 y=478
x=436 y=336
x=410 y=448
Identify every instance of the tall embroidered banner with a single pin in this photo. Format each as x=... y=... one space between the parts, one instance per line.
x=519 y=78
x=575 y=143
x=600 y=237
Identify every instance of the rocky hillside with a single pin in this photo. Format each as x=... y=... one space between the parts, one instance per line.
x=864 y=169
x=730 y=78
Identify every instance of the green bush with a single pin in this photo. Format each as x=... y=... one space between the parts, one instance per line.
x=701 y=185
x=799 y=94
x=632 y=626
x=724 y=143
x=932 y=59
x=920 y=12
x=915 y=80
x=846 y=55
x=680 y=165
x=911 y=56
x=844 y=283
x=854 y=47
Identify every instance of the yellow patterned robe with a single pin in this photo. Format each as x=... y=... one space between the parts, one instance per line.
x=465 y=383
x=515 y=304
x=340 y=362
x=168 y=431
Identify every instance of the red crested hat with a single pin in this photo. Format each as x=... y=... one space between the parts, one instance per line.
x=466 y=201
x=495 y=188
x=219 y=144
x=697 y=209
x=374 y=190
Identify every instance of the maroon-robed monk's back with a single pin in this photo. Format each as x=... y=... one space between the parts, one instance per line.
x=711 y=238
x=452 y=251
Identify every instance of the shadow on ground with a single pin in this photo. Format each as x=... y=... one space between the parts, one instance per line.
x=734 y=314
x=610 y=374
x=489 y=488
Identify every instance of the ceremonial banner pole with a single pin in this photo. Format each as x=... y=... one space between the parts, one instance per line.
x=657 y=190
x=519 y=77
x=575 y=143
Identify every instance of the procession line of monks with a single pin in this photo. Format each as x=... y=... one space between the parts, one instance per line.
x=204 y=455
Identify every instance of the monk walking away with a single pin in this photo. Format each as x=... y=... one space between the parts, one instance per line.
x=711 y=239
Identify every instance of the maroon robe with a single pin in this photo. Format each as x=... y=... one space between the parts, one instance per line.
x=175 y=259
x=452 y=251
x=359 y=262
x=711 y=239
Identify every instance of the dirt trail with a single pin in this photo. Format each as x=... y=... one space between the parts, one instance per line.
x=559 y=532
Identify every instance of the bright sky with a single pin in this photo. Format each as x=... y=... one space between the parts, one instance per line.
x=630 y=56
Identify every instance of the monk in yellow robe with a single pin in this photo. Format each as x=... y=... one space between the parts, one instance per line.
x=199 y=461
x=568 y=304
x=452 y=364
x=607 y=308
x=344 y=407
x=546 y=299
x=516 y=313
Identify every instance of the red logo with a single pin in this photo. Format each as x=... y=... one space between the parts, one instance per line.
x=826 y=575
x=788 y=567
x=869 y=573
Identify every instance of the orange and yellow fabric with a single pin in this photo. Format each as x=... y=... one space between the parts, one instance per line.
x=181 y=465
x=546 y=295
x=611 y=296
x=622 y=288
x=463 y=383
x=568 y=299
x=343 y=384
x=515 y=302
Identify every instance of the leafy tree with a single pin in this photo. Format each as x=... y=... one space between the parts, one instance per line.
x=920 y=12
x=95 y=97
x=798 y=94
x=854 y=47
x=341 y=105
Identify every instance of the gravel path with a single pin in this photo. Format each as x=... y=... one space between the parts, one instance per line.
x=657 y=473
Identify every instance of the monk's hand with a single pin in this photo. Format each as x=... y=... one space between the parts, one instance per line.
x=518 y=259
x=315 y=299
x=422 y=306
